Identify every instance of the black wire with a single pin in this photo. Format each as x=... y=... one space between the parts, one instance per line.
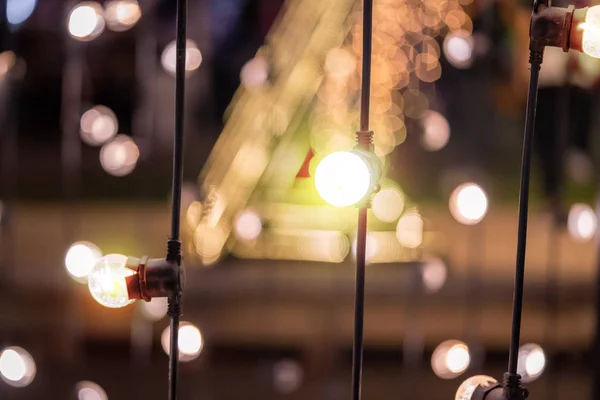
x=174 y=312
x=535 y=60
x=179 y=117
x=361 y=240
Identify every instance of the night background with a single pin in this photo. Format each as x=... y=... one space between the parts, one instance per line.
x=86 y=130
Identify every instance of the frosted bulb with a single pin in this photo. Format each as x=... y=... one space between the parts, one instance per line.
x=591 y=32
x=532 y=362
x=107 y=283
x=465 y=391
x=342 y=178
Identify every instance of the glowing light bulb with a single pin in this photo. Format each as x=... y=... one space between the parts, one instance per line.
x=17 y=367
x=343 y=178
x=388 y=204
x=532 y=362
x=582 y=222
x=107 y=283
x=17 y=11
x=87 y=390
x=468 y=204
x=193 y=57
x=591 y=32
x=121 y=15
x=190 y=341
x=86 y=21
x=450 y=359
x=248 y=225
x=465 y=391
x=80 y=259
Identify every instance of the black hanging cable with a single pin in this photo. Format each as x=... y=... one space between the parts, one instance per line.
x=174 y=244
x=512 y=380
x=365 y=141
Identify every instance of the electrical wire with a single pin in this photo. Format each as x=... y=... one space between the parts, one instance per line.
x=361 y=242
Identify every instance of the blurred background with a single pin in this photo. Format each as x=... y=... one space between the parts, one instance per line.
x=86 y=125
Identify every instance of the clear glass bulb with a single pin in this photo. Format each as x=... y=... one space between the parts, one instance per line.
x=465 y=391
x=591 y=32
x=107 y=281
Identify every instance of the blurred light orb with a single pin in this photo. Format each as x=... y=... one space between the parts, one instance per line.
x=450 y=359
x=434 y=273
x=248 y=225
x=436 y=131
x=87 y=390
x=287 y=376
x=155 y=309
x=340 y=63
x=119 y=156
x=468 y=204
x=532 y=362
x=17 y=11
x=209 y=240
x=80 y=259
x=372 y=247
x=255 y=73
x=8 y=59
x=121 y=15
x=98 y=125
x=582 y=222
x=342 y=178
x=409 y=230
x=106 y=281
x=458 y=49
x=17 y=367
x=86 y=21
x=193 y=57
x=466 y=389
x=388 y=204
x=190 y=341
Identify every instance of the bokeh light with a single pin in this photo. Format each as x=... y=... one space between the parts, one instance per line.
x=532 y=362
x=409 y=230
x=8 y=59
x=155 y=309
x=342 y=178
x=107 y=283
x=458 y=49
x=255 y=73
x=121 y=15
x=193 y=57
x=450 y=359
x=288 y=376
x=209 y=240
x=119 y=156
x=582 y=222
x=436 y=131
x=248 y=225
x=468 y=204
x=98 y=125
x=372 y=247
x=434 y=273
x=388 y=204
x=86 y=21
x=87 y=390
x=190 y=341
x=17 y=367
x=80 y=259
x=18 y=11
x=340 y=63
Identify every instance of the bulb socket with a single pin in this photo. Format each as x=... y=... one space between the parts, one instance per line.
x=155 y=277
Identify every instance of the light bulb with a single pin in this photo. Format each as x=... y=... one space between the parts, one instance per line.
x=465 y=391
x=591 y=32
x=450 y=359
x=343 y=178
x=107 y=283
x=468 y=204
